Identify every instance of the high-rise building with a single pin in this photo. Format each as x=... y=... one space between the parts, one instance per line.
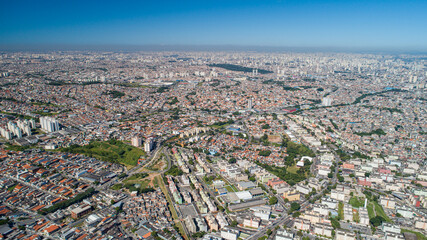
x=33 y=123
x=326 y=101
x=136 y=141
x=148 y=145
x=250 y=103
x=18 y=133
x=49 y=124
x=27 y=130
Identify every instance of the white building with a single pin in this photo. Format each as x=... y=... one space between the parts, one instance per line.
x=252 y=222
x=148 y=145
x=49 y=124
x=136 y=141
x=230 y=234
x=405 y=212
x=390 y=228
x=302 y=224
x=344 y=235
x=326 y=101
x=387 y=202
x=323 y=229
x=284 y=235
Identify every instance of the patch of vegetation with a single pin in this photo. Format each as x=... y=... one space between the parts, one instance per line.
x=162 y=89
x=64 y=204
x=335 y=223
x=380 y=212
x=357 y=202
x=173 y=101
x=334 y=124
x=137 y=176
x=341 y=210
x=132 y=85
x=264 y=153
x=360 y=98
x=4 y=221
x=294 y=151
x=282 y=173
x=295 y=206
x=16 y=115
x=110 y=151
x=10 y=99
x=199 y=234
x=222 y=124
x=174 y=171
x=238 y=68
x=378 y=131
x=420 y=236
x=117 y=186
x=141 y=189
x=272 y=201
x=42 y=113
x=114 y=94
x=17 y=148
x=376 y=221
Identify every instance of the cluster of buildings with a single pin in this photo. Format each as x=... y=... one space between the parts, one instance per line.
x=223 y=132
x=17 y=129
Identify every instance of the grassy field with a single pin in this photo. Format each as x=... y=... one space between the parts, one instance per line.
x=160 y=164
x=356 y=216
x=229 y=188
x=380 y=212
x=110 y=151
x=357 y=202
x=370 y=209
x=292 y=169
x=420 y=236
x=374 y=209
x=341 y=210
x=137 y=182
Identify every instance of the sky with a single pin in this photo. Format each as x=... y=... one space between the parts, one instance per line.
x=277 y=23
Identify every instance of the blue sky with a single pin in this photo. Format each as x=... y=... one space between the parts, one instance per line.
x=303 y=23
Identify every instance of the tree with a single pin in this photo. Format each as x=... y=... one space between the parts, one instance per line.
x=296 y=214
x=264 y=153
x=376 y=221
x=233 y=223
x=232 y=160
x=269 y=232
x=295 y=206
x=272 y=200
x=199 y=234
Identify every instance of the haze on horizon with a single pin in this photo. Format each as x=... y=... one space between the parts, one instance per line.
x=377 y=24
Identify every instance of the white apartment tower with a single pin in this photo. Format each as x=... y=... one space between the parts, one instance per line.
x=136 y=141
x=148 y=145
x=49 y=124
x=326 y=101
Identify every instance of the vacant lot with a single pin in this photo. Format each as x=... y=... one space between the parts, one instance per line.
x=110 y=151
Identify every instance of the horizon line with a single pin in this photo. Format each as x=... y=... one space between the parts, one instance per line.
x=43 y=47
